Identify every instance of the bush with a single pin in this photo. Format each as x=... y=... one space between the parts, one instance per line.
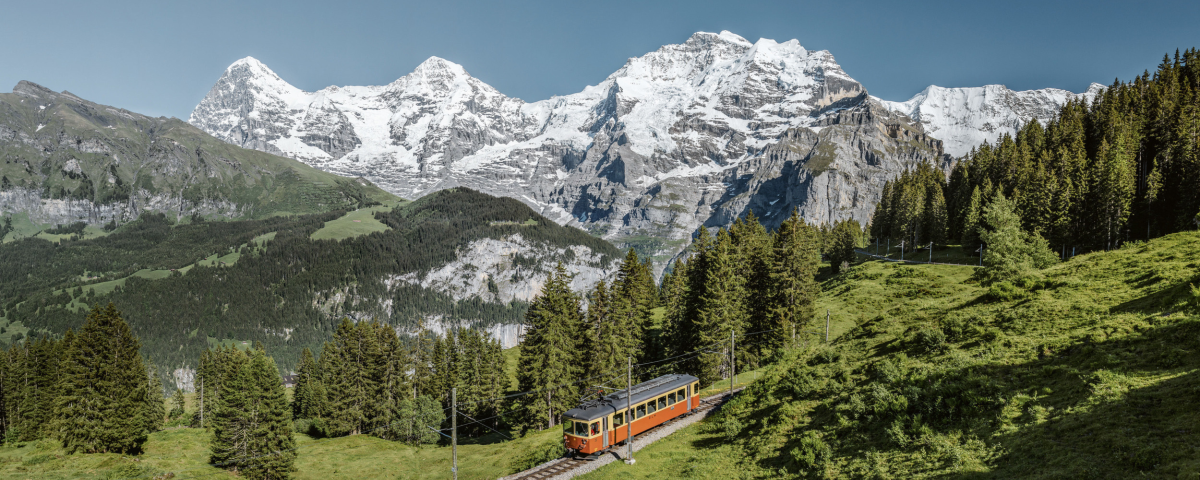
x=313 y=427
x=931 y=339
x=812 y=453
x=1005 y=292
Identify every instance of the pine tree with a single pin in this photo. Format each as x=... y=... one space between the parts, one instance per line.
x=674 y=299
x=177 y=405
x=232 y=425
x=844 y=241
x=721 y=310
x=308 y=398
x=103 y=405
x=1011 y=252
x=156 y=407
x=549 y=353
x=970 y=224
x=271 y=446
x=419 y=419
x=352 y=381
x=793 y=285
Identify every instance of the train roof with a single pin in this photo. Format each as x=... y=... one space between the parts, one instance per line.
x=641 y=392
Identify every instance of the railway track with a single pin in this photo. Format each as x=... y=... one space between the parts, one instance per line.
x=566 y=465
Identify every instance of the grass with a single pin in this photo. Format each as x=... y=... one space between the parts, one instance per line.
x=353 y=224
x=1089 y=372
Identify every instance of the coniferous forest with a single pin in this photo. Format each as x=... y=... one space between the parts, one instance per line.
x=284 y=290
x=1118 y=169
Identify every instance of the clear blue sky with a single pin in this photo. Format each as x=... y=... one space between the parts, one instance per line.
x=161 y=57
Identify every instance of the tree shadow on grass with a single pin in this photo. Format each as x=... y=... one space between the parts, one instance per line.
x=1081 y=410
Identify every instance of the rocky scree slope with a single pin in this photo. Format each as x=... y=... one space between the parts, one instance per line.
x=691 y=134
x=964 y=118
x=65 y=159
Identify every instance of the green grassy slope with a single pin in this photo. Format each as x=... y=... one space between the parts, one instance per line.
x=183 y=286
x=1091 y=373
x=59 y=147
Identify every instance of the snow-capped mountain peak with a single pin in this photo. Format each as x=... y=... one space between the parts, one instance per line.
x=964 y=118
x=684 y=135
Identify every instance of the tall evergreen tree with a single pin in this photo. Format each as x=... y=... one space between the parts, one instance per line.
x=793 y=285
x=721 y=310
x=550 y=351
x=308 y=396
x=156 y=405
x=103 y=403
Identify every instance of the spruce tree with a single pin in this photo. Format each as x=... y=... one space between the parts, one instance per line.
x=721 y=310
x=674 y=300
x=844 y=241
x=271 y=446
x=550 y=352
x=232 y=424
x=156 y=406
x=177 y=405
x=308 y=397
x=104 y=406
x=970 y=223
x=793 y=286
x=1011 y=252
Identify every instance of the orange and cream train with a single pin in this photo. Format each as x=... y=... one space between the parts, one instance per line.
x=597 y=425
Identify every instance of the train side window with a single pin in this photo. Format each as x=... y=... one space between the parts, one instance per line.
x=568 y=427
x=662 y=402
x=671 y=398
x=595 y=428
x=641 y=411
x=618 y=419
x=682 y=394
x=651 y=407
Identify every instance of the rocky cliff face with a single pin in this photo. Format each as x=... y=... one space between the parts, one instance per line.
x=66 y=159
x=691 y=134
x=964 y=118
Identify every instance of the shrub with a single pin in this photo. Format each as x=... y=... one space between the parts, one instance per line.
x=813 y=452
x=930 y=339
x=1005 y=292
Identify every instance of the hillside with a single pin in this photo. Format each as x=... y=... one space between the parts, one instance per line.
x=1088 y=373
x=68 y=160
x=454 y=257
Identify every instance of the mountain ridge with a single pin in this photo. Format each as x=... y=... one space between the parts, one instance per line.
x=67 y=160
x=691 y=134
x=965 y=117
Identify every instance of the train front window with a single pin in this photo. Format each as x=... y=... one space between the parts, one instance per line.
x=581 y=429
x=595 y=428
x=569 y=427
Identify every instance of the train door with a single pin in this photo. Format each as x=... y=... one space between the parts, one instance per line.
x=605 y=425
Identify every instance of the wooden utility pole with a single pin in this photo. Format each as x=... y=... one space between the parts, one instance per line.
x=629 y=412
x=732 y=360
x=454 y=430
